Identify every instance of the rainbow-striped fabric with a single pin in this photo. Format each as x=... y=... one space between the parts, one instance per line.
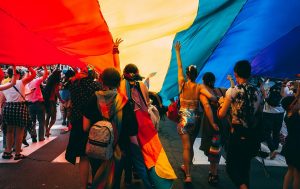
x=214 y=35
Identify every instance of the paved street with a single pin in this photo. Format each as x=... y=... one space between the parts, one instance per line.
x=45 y=168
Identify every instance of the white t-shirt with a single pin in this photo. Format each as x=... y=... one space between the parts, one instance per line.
x=287 y=92
x=12 y=95
x=273 y=110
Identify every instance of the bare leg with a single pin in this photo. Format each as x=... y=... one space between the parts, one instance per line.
x=9 y=138
x=52 y=115
x=84 y=170
x=288 y=177
x=214 y=168
x=53 y=119
x=296 y=183
x=19 y=139
x=185 y=138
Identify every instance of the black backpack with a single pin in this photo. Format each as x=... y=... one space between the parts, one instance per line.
x=274 y=96
x=253 y=119
x=246 y=112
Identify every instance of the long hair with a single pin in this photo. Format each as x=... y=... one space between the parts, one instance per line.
x=53 y=79
x=209 y=79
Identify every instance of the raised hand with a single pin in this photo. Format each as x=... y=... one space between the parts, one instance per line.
x=229 y=77
x=177 y=46
x=117 y=42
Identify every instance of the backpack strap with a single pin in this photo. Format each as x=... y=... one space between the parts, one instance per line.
x=181 y=91
x=221 y=92
x=141 y=93
x=19 y=92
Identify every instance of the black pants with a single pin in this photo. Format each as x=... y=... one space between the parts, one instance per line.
x=37 y=112
x=272 y=124
x=238 y=159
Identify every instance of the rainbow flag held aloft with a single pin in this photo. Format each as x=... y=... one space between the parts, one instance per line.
x=214 y=36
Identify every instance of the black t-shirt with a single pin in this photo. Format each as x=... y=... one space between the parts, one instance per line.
x=81 y=91
x=129 y=125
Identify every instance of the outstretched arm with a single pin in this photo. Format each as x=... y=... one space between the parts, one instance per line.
x=45 y=73
x=30 y=76
x=116 y=54
x=179 y=64
x=10 y=84
x=229 y=77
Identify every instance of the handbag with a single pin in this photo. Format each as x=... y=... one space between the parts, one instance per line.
x=173 y=108
x=154 y=115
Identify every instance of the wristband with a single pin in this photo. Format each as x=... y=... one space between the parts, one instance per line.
x=116 y=50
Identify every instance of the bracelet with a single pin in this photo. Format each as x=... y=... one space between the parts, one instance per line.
x=116 y=50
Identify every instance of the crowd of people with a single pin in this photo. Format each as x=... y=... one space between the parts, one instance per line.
x=237 y=119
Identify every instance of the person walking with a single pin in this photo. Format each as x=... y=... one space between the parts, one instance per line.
x=188 y=126
x=244 y=100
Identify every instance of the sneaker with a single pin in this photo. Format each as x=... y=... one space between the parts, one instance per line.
x=34 y=140
x=25 y=143
x=41 y=139
x=213 y=179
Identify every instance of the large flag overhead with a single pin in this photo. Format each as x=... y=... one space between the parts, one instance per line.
x=214 y=35
x=260 y=24
x=34 y=32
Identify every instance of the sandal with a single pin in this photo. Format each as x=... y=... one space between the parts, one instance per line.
x=7 y=155
x=19 y=156
x=188 y=179
x=213 y=179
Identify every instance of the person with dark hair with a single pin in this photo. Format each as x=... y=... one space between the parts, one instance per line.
x=81 y=88
x=244 y=100
x=109 y=104
x=291 y=147
x=51 y=94
x=145 y=146
x=188 y=126
x=65 y=107
x=9 y=73
x=16 y=115
x=4 y=86
x=37 y=106
x=273 y=114
x=211 y=127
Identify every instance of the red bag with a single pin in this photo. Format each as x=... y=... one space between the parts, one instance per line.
x=173 y=112
x=173 y=108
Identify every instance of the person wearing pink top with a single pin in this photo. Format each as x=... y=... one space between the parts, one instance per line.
x=36 y=105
